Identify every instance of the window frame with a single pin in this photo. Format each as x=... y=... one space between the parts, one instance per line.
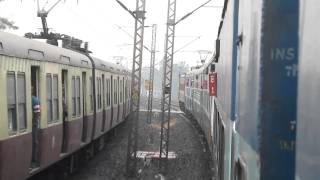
x=15 y=120
x=73 y=96
x=78 y=96
x=53 y=118
x=55 y=98
x=24 y=104
x=14 y=129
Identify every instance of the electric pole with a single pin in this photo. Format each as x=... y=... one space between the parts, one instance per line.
x=153 y=55
x=139 y=16
x=167 y=80
x=166 y=85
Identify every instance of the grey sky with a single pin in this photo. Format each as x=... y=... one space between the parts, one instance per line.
x=96 y=22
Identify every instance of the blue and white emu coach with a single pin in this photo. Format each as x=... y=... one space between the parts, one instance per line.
x=263 y=122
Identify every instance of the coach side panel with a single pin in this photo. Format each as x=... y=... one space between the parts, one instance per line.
x=308 y=143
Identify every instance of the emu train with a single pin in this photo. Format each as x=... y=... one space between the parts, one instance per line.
x=257 y=100
x=81 y=99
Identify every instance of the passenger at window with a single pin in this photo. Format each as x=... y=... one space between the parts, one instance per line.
x=35 y=128
x=64 y=106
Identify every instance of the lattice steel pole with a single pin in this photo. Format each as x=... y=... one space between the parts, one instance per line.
x=139 y=15
x=167 y=84
x=153 y=55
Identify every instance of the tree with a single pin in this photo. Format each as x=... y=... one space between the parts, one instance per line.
x=6 y=23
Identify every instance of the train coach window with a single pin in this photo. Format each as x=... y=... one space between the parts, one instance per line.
x=78 y=87
x=21 y=88
x=121 y=89
x=99 y=97
x=124 y=90
x=76 y=107
x=91 y=94
x=73 y=84
x=52 y=98
x=115 y=92
x=108 y=92
x=55 y=100
x=11 y=100
x=49 y=97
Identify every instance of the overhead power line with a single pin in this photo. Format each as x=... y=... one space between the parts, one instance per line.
x=188 y=14
x=122 y=29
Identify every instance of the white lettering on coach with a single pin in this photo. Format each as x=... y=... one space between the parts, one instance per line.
x=291 y=70
x=283 y=54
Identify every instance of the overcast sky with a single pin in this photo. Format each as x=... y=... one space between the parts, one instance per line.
x=97 y=22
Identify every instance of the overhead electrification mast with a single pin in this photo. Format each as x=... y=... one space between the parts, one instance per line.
x=166 y=84
x=139 y=16
x=152 y=61
x=167 y=79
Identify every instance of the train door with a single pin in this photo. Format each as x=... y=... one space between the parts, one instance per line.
x=35 y=161
x=84 y=105
x=103 y=104
x=111 y=98
x=65 y=110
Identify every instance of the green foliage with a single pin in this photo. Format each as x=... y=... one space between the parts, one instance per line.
x=6 y=23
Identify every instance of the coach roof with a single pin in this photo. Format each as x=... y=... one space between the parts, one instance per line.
x=12 y=45
x=108 y=66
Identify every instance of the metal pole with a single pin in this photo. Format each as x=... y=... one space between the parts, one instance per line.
x=139 y=15
x=153 y=53
x=166 y=85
